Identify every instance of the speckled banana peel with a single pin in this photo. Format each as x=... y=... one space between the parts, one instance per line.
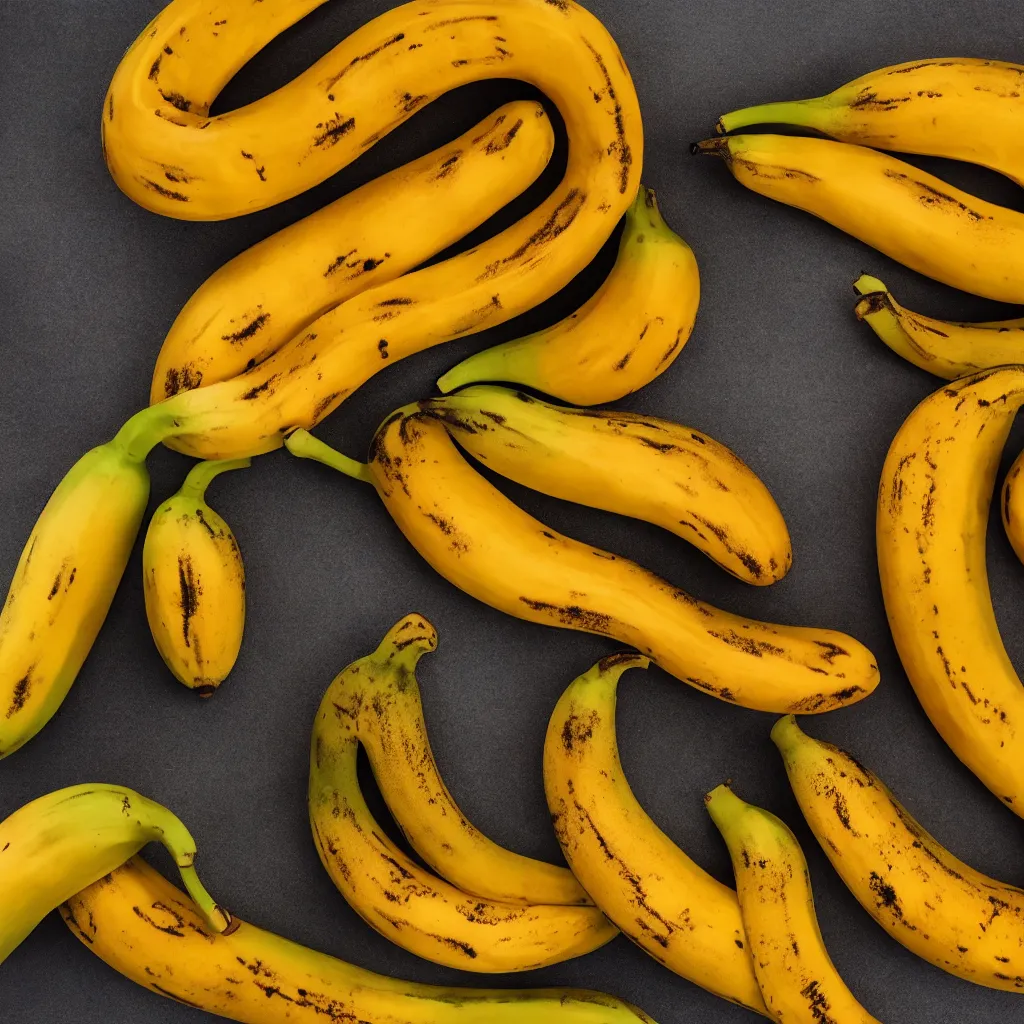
x=798 y=980
x=148 y=930
x=941 y=909
x=413 y=908
x=629 y=333
x=490 y=548
x=651 y=469
x=933 y=499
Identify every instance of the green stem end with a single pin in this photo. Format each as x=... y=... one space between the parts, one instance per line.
x=303 y=445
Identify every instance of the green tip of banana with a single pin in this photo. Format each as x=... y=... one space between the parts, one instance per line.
x=868 y=285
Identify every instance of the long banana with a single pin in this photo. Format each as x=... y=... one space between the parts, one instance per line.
x=480 y=541
x=937 y=906
x=639 y=466
x=145 y=928
x=910 y=215
x=933 y=501
x=631 y=331
x=664 y=902
x=64 y=841
x=798 y=980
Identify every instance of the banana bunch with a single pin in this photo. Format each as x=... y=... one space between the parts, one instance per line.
x=494 y=922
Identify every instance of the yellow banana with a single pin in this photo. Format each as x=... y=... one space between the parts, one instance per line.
x=1012 y=509
x=267 y=294
x=392 y=893
x=194 y=584
x=386 y=717
x=933 y=502
x=631 y=331
x=964 y=108
x=664 y=902
x=145 y=928
x=62 y=842
x=914 y=217
x=798 y=980
x=942 y=347
x=929 y=901
x=639 y=466
x=480 y=541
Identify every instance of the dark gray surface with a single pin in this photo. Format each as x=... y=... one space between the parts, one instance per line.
x=778 y=368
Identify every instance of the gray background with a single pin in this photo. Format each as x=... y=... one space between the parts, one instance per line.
x=778 y=368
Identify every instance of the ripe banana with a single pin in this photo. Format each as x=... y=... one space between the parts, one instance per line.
x=1012 y=508
x=933 y=502
x=947 y=349
x=929 y=901
x=662 y=901
x=62 y=842
x=385 y=715
x=480 y=541
x=798 y=980
x=391 y=892
x=964 y=108
x=631 y=331
x=194 y=584
x=267 y=294
x=145 y=928
x=910 y=215
x=639 y=466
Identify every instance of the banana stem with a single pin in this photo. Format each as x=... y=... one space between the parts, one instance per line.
x=145 y=430
x=725 y=807
x=803 y=113
x=216 y=917
x=867 y=285
x=303 y=445
x=202 y=474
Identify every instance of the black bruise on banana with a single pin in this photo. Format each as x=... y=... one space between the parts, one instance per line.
x=250 y=330
x=184 y=378
x=930 y=196
x=190 y=593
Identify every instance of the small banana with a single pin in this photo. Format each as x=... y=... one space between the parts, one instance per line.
x=664 y=902
x=392 y=893
x=937 y=906
x=487 y=546
x=148 y=930
x=904 y=212
x=61 y=843
x=194 y=583
x=798 y=980
x=630 y=332
x=639 y=466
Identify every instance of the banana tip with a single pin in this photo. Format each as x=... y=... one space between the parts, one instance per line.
x=785 y=731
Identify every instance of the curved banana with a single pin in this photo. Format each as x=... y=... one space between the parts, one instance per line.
x=1012 y=507
x=933 y=503
x=798 y=980
x=937 y=906
x=941 y=347
x=263 y=297
x=912 y=216
x=145 y=928
x=639 y=466
x=630 y=332
x=193 y=580
x=62 y=842
x=480 y=541
x=664 y=902
x=392 y=893
x=963 y=108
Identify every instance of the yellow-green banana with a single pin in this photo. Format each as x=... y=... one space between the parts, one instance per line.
x=194 y=583
x=937 y=906
x=631 y=331
x=62 y=842
x=639 y=466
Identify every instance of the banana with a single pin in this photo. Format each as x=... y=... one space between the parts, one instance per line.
x=631 y=331
x=664 y=902
x=929 y=901
x=902 y=211
x=267 y=294
x=963 y=108
x=933 y=501
x=798 y=980
x=145 y=928
x=1012 y=509
x=194 y=584
x=392 y=893
x=480 y=541
x=386 y=717
x=64 y=841
x=639 y=466
x=941 y=347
